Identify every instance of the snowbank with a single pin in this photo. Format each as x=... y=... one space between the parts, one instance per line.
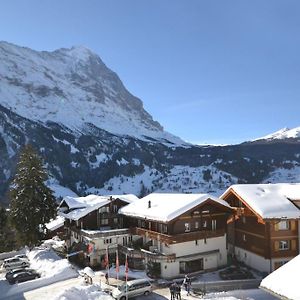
x=49 y=264
x=284 y=281
x=46 y=262
x=83 y=293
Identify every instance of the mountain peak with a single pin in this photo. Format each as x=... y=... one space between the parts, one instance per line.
x=283 y=133
x=73 y=87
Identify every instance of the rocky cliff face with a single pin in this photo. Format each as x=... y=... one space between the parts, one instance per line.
x=95 y=137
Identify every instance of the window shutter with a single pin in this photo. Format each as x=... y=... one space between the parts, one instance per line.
x=276 y=226
x=293 y=225
x=294 y=245
x=276 y=246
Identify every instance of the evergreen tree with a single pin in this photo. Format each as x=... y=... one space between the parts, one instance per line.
x=32 y=202
x=7 y=236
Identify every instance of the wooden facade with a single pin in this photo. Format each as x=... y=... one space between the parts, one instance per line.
x=104 y=217
x=206 y=220
x=268 y=238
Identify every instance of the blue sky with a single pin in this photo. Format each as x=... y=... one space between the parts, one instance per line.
x=209 y=71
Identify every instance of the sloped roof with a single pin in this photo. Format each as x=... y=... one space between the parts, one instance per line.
x=269 y=200
x=55 y=223
x=165 y=207
x=81 y=206
x=284 y=282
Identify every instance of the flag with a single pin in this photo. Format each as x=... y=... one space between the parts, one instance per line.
x=117 y=262
x=106 y=259
x=126 y=268
x=90 y=248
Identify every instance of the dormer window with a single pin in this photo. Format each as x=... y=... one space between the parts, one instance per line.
x=187 y=227
x=283 y=225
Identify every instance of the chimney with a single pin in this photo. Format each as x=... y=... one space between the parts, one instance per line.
x=149 y=204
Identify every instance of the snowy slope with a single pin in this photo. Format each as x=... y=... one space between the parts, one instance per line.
x=73 y=87
x=284 y=133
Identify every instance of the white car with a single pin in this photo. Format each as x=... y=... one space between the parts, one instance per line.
x=132 y=289
x=15 y=262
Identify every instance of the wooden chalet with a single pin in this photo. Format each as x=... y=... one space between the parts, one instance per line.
x=183 y=233
x=264 y=231
x=92 y=223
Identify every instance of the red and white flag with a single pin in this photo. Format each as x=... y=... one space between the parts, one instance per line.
x=117 y=262
x=106 y=259
x=126 y=268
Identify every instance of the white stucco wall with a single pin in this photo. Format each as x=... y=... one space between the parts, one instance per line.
x=258 y=262
x=210 y=261
x=252 y=260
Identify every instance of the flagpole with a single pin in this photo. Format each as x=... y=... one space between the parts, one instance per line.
x=126 y=275
x=107 y=262
x=117 y=266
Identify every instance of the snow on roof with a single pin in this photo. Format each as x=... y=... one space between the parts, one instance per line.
x=126 y=198
x=165 y=207
x=270 y=200
x=81 y=206
x=55 y=223
x=284 y=281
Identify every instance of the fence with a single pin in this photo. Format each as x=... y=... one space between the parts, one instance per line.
x=226 y=285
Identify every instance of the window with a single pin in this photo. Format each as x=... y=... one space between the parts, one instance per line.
x=116 y=220
x=107 y=241
x=214 y=224
x=196 y=225
x=284 y=245
x=104 y=209
x=165 y=228
x=124 y=240
x=160 y=228
x=204 y=224
x=187 y=227
x=283 y=225
x=244 y=219
x=104 y=221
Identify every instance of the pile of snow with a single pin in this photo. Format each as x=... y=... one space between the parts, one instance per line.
x=83 y=293
x=55 y=243
x=284 y=282
x=50 y=265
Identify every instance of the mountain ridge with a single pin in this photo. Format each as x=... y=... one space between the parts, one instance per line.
x=136 y=156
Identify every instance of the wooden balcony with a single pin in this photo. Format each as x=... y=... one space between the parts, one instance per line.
x=178 y=238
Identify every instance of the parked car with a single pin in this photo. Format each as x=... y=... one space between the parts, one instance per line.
x=23 y=276
x=14 y=263
x=21 y=256
x=10 y=274
x=132 y=289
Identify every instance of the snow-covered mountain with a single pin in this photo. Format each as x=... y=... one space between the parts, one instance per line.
x=73 y=87
x=282 y=134
x=95 y=137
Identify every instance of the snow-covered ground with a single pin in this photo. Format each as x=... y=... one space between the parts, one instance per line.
x=48 y=264
x=183 y=179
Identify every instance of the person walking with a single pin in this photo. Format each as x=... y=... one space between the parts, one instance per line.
x=172 y=291
x=187 y=284
x=178 y=291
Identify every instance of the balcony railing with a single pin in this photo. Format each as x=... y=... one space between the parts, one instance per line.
x=178 y=238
